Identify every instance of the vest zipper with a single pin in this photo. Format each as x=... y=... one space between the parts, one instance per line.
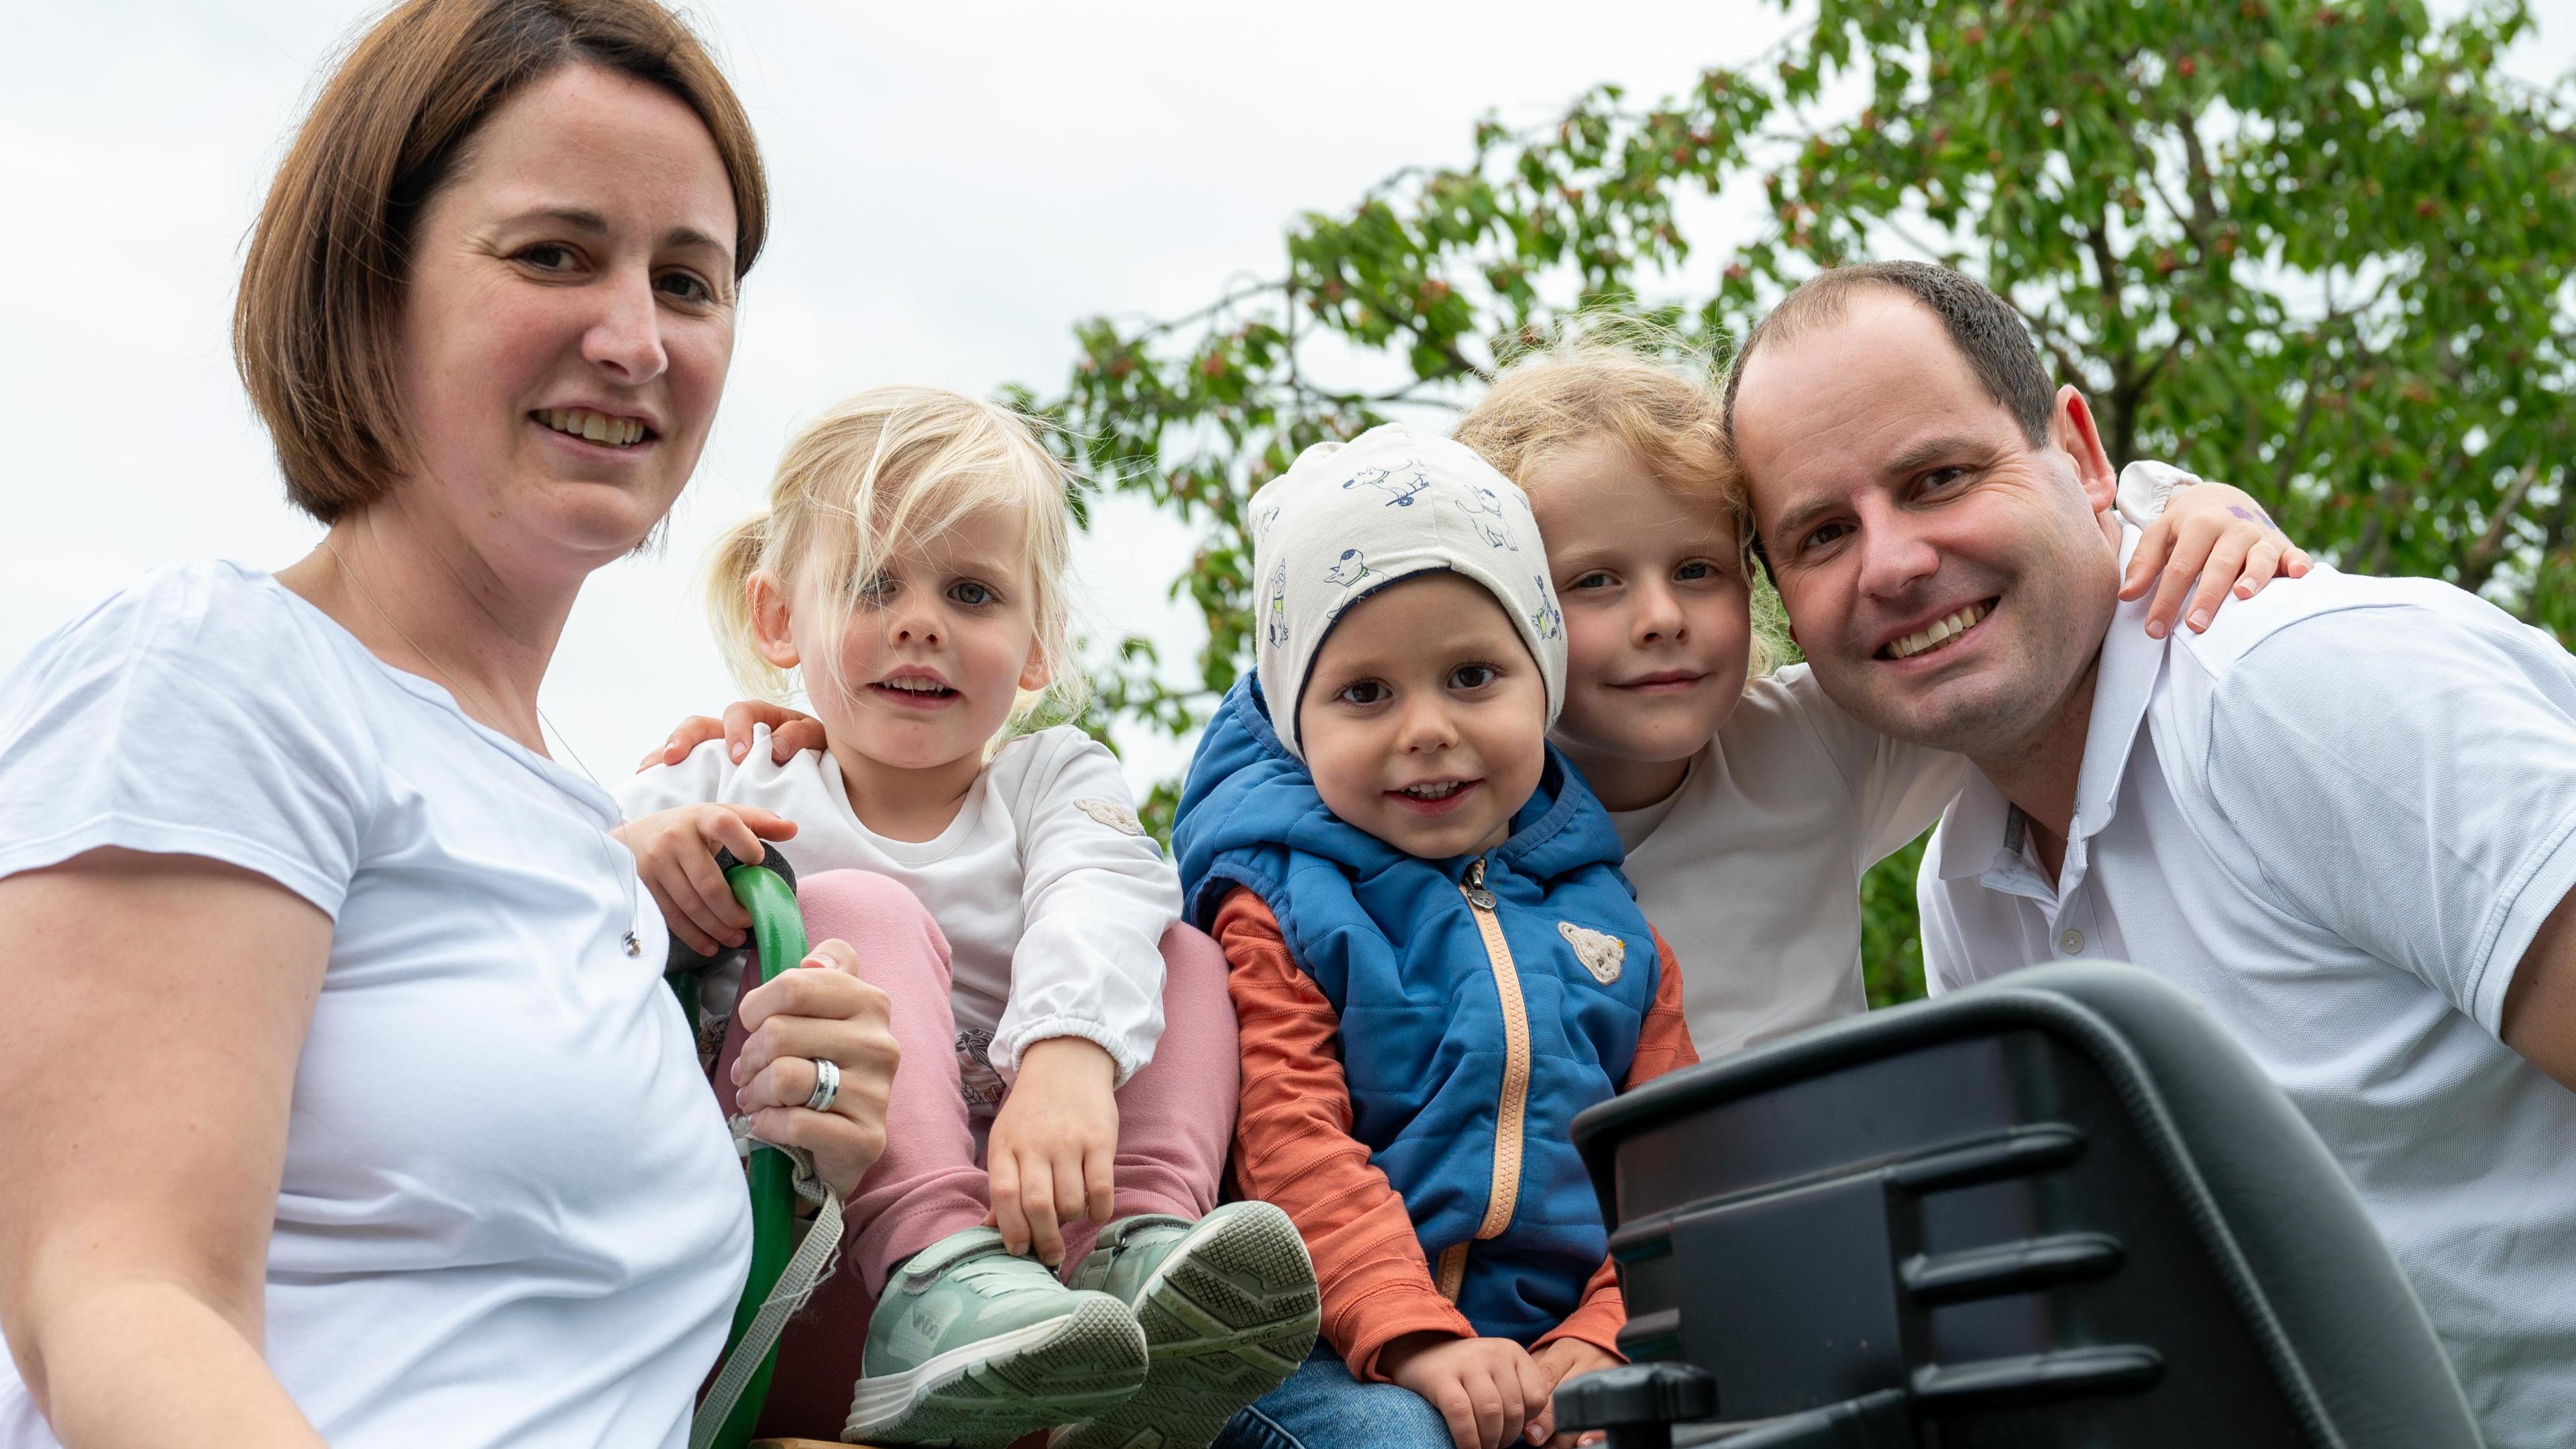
x=1512 y=1118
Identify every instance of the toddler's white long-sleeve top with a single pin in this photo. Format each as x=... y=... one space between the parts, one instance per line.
x=1053 y=898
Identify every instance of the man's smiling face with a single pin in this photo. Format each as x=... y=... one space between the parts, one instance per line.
x=1949 y=580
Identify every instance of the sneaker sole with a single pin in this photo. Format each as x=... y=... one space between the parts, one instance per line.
x=1227 y=1318
x=992 y=1391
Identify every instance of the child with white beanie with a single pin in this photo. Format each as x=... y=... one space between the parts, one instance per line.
x=1433 y=955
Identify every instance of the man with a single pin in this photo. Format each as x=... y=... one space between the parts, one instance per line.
x=2344 y=818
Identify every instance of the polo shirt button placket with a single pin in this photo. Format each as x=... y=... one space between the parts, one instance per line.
x=2071 y=941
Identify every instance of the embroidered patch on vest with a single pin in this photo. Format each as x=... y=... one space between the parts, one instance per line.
x=1601 y=955
x=1112 y=814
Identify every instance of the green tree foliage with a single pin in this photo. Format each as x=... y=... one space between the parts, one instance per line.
x=2317 y=249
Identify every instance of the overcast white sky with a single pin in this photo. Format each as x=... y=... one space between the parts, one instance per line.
x=954 y=185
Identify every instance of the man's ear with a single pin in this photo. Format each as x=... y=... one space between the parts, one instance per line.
x=768 y=597
x=2072 y=430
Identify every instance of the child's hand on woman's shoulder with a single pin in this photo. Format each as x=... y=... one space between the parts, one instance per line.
x=789 y=734
x=1489 y=1389
x=1053 y=1145
x=675 y=853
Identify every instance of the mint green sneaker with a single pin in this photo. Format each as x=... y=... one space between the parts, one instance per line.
x=973 y=1347
x=1229 y=1310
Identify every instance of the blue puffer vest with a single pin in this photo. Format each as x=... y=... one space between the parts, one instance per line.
x=1484 y=1001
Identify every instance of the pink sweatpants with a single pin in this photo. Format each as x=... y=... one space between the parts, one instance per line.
x=1175 y=1119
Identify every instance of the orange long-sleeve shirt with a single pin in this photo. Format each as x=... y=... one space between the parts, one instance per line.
x=1293 y=1147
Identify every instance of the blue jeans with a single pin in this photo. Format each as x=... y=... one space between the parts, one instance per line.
x=1323 y=1407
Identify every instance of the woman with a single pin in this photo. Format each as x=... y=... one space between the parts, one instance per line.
x=343 y=1098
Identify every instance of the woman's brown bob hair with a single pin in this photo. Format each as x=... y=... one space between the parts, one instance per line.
x=321 y=292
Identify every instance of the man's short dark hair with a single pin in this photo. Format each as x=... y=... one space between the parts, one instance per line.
x=1984 y=327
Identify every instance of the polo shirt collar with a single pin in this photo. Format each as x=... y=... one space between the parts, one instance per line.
x=1983 y=830
x=2126 y=681
x=1973 y=830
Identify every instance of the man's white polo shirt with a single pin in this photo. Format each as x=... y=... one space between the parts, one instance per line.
x=2336 y=820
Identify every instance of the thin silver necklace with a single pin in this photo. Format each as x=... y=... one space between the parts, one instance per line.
x=634 y=945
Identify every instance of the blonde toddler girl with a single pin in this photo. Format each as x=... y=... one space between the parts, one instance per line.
x=1068 y=1050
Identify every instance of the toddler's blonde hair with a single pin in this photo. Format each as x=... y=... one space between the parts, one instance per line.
x=1638 y=385
x=879 y=472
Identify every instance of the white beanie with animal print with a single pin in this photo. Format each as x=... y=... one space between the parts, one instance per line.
x=1348 y=519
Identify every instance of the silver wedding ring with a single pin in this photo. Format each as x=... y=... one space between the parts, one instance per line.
x=827 y=1085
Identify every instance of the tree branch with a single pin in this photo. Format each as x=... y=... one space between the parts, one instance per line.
x=1219 y=307
x=2380 y=529
x=1946 y=256
x=2483 y=555
x=2106 y=268
x=2070 y=365
x=2204 y=202
x=1411 y=393
x=2298 y=445
x=2174 y=209
x=2165 y=354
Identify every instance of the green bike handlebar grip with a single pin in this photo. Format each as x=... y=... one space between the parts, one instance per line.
x=778 y=934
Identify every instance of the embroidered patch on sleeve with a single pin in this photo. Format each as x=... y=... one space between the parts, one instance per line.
x=1112 y=814
x=1600 y=954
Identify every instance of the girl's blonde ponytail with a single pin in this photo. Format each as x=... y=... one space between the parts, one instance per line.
x=740 y=552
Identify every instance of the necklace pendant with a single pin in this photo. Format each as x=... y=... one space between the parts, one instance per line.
x=634 y=947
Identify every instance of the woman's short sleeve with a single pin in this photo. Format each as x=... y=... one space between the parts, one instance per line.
x=202 y=711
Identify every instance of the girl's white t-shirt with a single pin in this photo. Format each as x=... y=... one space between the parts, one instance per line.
x=1053 y=898
x=511 y=1212
x=1751 y=869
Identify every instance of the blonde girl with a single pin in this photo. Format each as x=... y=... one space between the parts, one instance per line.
x=1749 y=803
x=1068 y=1051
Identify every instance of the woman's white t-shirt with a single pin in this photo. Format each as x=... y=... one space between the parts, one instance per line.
x=1053 y=898
x=1750 y=870
x=511 y=1212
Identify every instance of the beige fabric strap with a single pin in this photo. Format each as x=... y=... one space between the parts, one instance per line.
x=796 y=1283
x=1453 y=1270
x=1512 y=1112
x=1511 y=1117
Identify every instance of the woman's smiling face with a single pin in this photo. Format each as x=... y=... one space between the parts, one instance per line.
x=567 y=322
